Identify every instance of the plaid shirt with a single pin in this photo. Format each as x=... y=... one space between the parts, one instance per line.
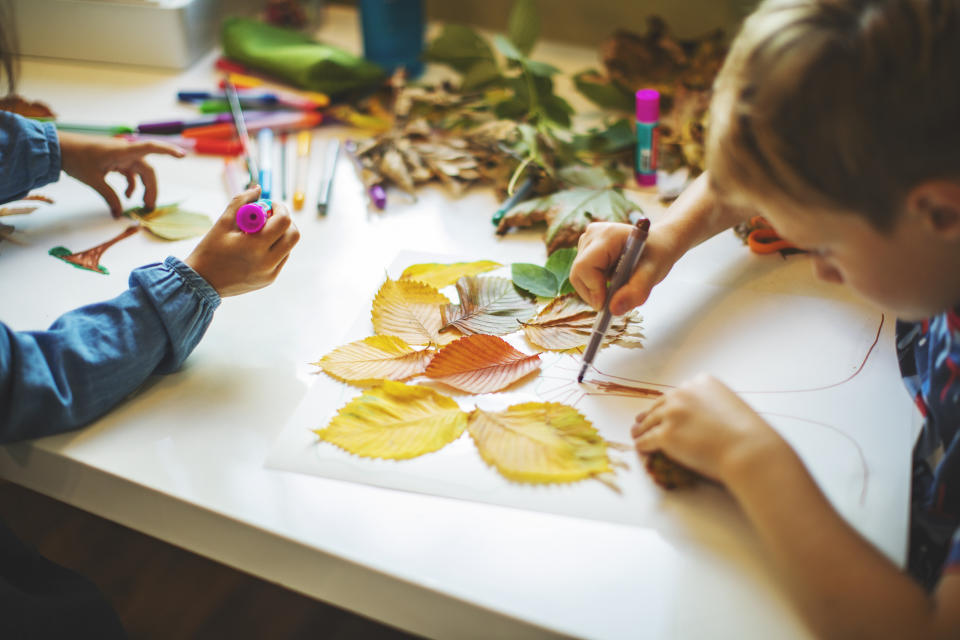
x=929 y=353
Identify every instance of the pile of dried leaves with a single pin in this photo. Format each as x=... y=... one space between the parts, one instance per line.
x=681 y=70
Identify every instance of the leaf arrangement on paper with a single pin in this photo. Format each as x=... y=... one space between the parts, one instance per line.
x=421 y=334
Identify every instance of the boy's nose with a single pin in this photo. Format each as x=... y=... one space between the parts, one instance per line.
x=825 y=271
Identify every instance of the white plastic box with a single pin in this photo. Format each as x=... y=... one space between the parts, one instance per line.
x=159 y=33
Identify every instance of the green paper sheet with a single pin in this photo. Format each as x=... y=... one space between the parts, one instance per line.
x=296 y=58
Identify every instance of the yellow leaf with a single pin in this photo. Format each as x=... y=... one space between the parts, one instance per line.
x=375 y=358
x=539 y=442
x=410 y=310
x=441 y=275
x=170 y=222
x=395 y=421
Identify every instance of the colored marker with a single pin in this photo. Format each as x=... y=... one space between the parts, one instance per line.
x=378 y=196
x=241 y=129
x=250 y=76
x=243 y=96
x=303 y=161
x=283 y=166
x=252 y=216
x=213 y=147
x=279 y=122
x=519 y=195
x=326 y=180
x=265 y=149
x=104 y=129
x=626 y=265
x=232 y=176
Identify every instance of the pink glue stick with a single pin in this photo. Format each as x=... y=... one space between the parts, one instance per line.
x=648 y=115
x=251 y=217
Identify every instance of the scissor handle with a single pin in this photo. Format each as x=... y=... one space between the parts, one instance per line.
x=764 y=241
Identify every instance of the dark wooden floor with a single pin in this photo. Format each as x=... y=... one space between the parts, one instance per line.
x=164 y=592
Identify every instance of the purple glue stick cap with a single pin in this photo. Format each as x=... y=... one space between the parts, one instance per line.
x=252 y=216
x=648 y=105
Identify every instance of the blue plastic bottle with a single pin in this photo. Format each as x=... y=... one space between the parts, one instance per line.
x=393 y=34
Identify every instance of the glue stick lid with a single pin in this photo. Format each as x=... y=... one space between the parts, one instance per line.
x=648 y=105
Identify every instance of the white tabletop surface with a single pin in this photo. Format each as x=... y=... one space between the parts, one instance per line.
x=183 y=458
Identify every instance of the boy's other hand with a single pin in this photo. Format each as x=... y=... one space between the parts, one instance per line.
x=234 y=262
x=706 y=427
x=90 y=158
x=599 y=250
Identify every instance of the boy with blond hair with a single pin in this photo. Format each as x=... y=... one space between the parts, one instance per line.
x=839 y=122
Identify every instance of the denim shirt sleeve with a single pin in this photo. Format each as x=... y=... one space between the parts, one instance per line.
x=29 y=155
x=92 y=357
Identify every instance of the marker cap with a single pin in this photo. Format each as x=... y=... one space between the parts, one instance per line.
x=252 y=216
x=648 y=105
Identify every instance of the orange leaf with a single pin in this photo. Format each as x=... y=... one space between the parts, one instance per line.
x=480 y=364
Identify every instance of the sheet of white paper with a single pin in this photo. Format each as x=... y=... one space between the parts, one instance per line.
x=822 y=371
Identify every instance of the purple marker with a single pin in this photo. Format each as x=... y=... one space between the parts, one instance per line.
x=178 y=126
x=252 y=216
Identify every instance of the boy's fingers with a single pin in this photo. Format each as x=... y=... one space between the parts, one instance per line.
x=244 y=197
x=131 y=182
x=108 y=194
x=648 y=442
x=283 y=245
x=149 y=179
x=147 y=147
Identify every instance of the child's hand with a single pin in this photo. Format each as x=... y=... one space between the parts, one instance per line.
x=599 y=249
x=706 y=427
x=89 y=159
x=234 y=262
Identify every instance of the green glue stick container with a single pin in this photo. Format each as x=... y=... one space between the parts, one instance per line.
x=648 y=117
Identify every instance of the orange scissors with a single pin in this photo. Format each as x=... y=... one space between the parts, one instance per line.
x=763 y=239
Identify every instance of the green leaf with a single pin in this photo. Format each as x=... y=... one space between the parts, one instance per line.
x=617 y=137
x=557 y=110
x=512 y=109
x=535 y=279
x=579 y=175
x=523 y=27
x=604 y=93
x=458 y=47
x=540 y=69
x=482 y=73
x=560 y=261
x=505 y=47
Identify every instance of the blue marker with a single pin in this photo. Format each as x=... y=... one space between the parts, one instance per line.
x=265 y=149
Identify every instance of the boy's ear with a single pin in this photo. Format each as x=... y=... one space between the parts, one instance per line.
x=936 y=205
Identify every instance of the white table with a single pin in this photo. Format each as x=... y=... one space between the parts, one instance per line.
x=182 y=460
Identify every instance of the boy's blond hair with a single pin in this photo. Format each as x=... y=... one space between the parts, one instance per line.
x=842 y=105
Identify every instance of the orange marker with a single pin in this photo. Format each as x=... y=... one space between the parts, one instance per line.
x=280 y=121
x=303 y=161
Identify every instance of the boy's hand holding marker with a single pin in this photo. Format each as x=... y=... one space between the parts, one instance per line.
x=234 y=261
